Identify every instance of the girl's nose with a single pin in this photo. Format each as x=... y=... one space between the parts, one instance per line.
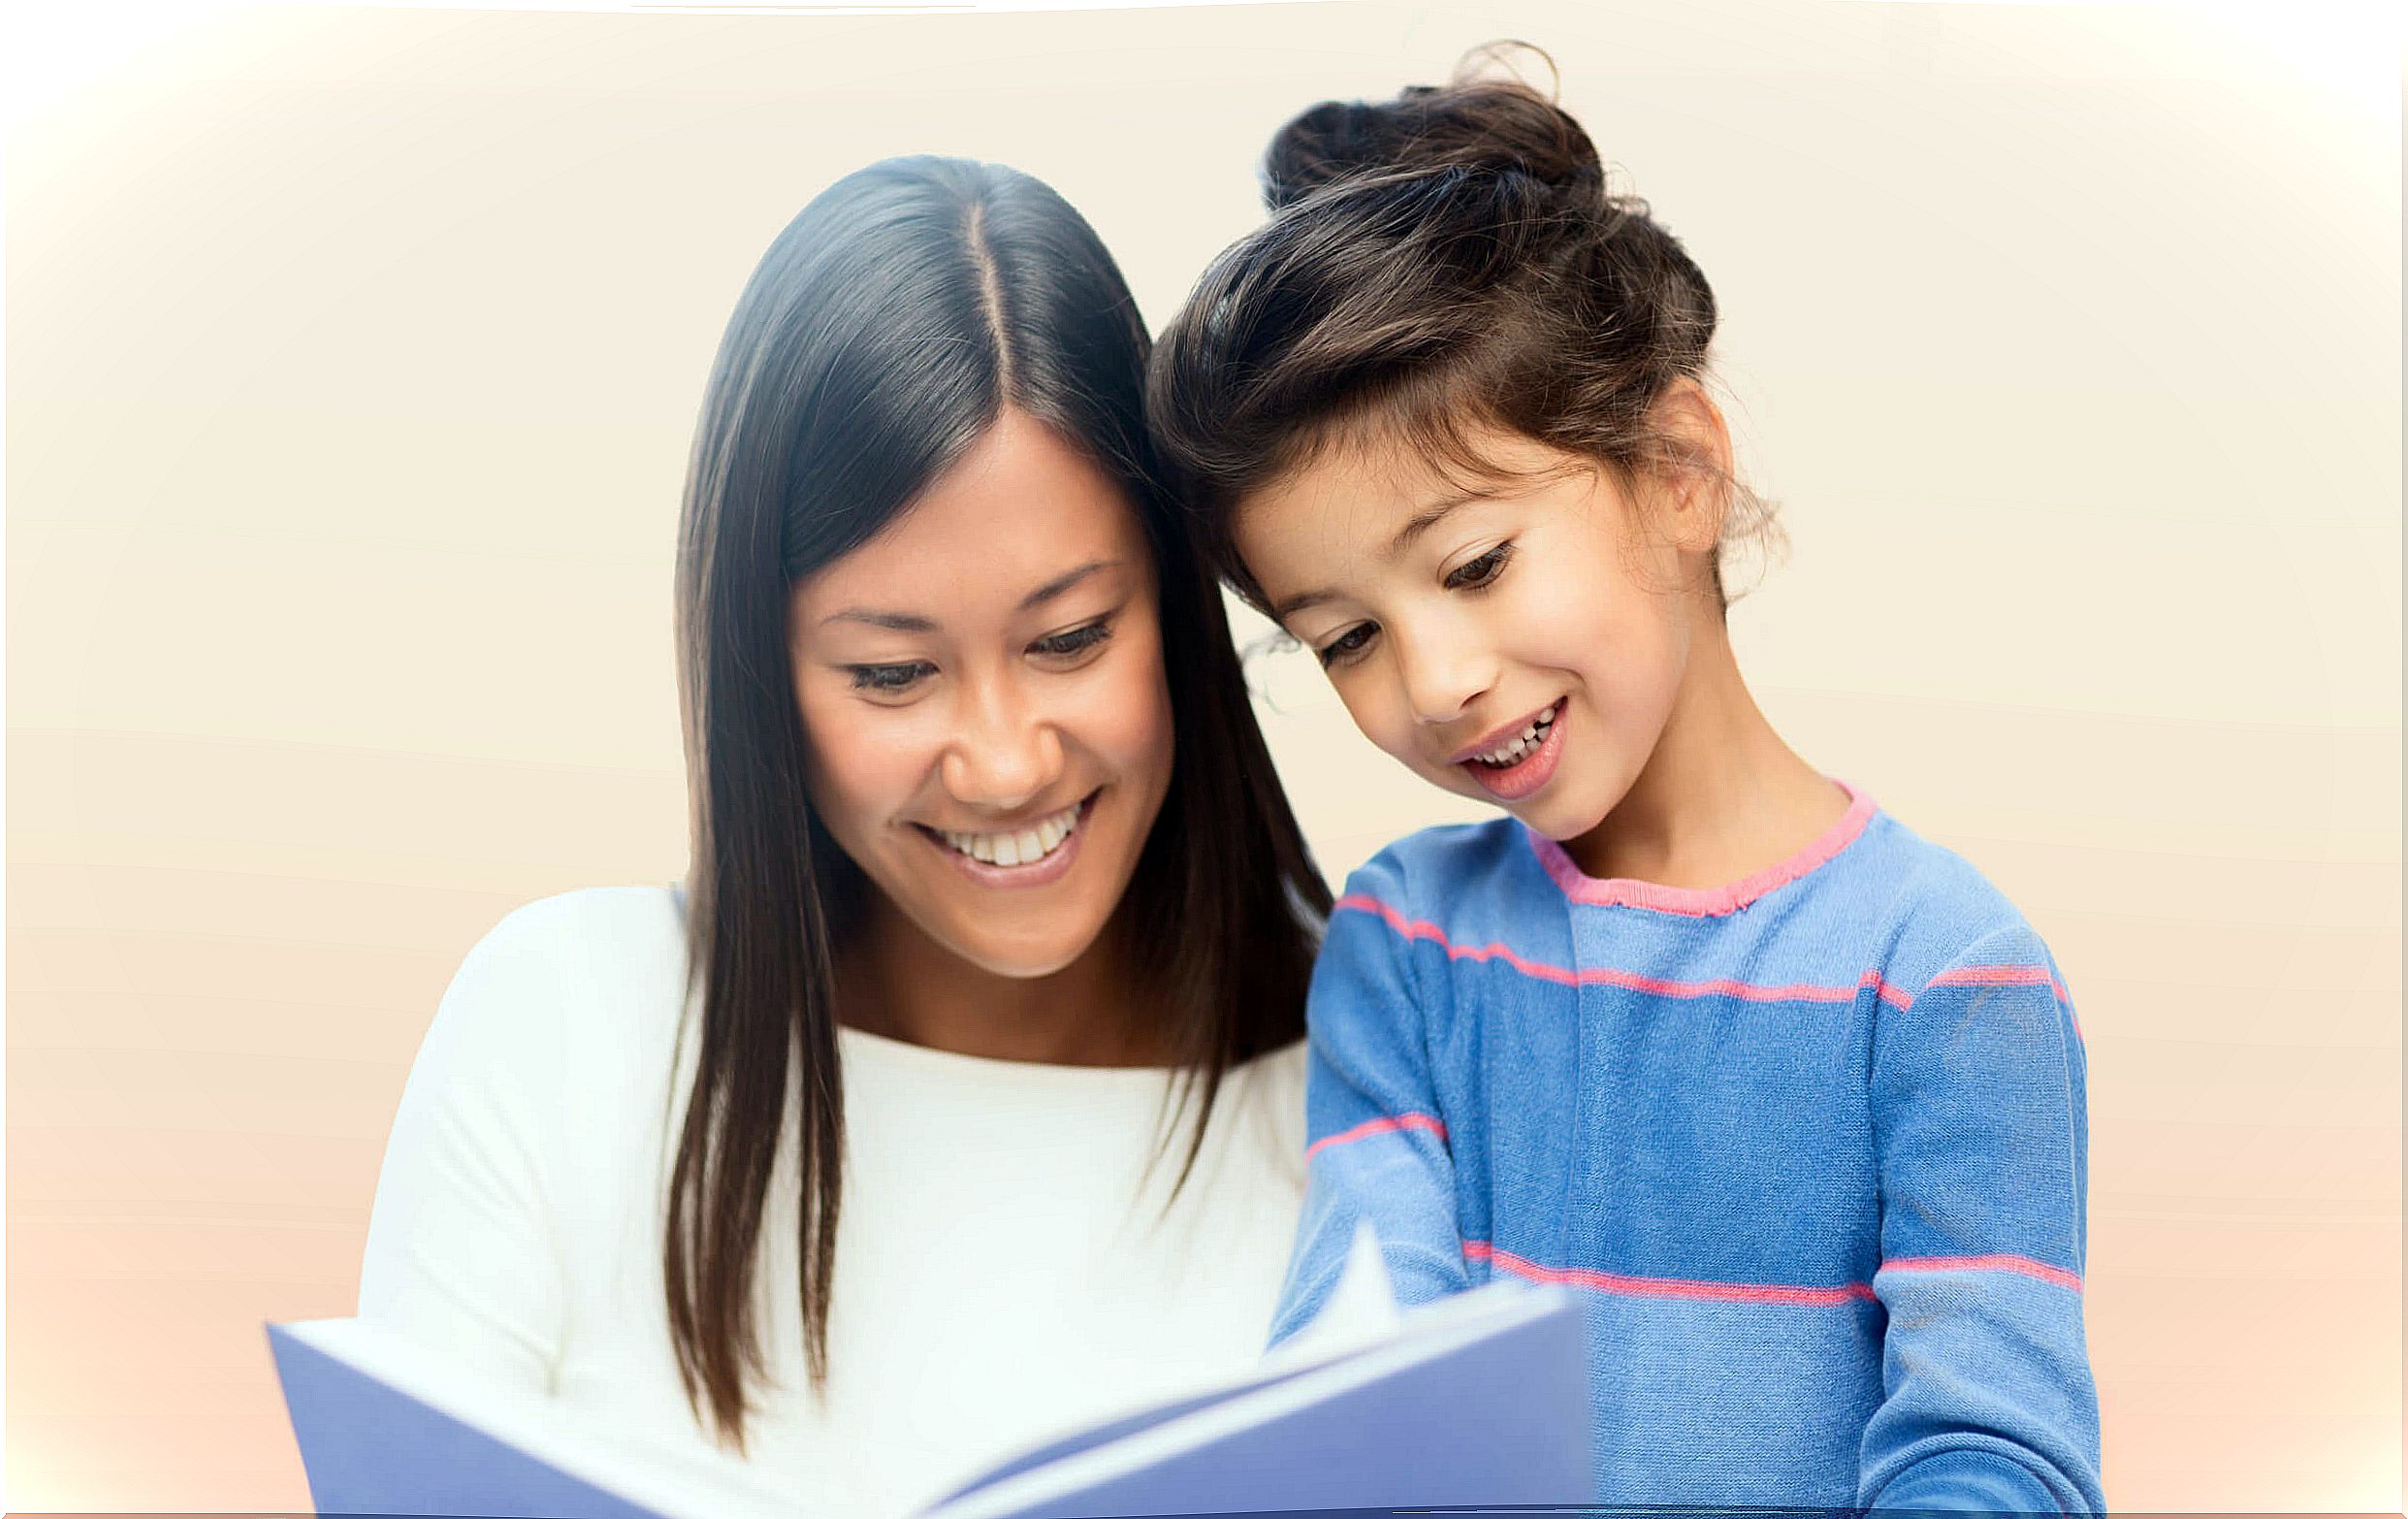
x=1004 y=757
x=1441 y=676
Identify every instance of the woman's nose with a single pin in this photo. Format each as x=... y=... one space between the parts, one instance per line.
x=1006 y=753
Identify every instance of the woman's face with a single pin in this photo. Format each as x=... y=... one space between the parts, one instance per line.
x=986 y=724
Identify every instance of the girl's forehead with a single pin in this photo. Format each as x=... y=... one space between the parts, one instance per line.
x=1367 y=484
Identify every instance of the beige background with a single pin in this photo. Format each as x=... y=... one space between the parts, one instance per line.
x=352 y=359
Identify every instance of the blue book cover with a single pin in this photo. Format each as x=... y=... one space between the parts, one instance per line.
x=369 y=1447
x=1480 y=1400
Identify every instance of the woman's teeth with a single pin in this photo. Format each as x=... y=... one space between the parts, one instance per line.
x=1525 y=742
x=1024 y=848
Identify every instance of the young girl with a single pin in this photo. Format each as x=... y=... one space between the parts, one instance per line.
x=1791 y=1095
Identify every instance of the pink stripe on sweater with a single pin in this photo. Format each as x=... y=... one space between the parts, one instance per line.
x=1669 y=1286
x=2002 y=975
x=1402 y=1120
x=2022 y=1265
x=2012 y=976
x=1709 y=903
x=1605 y=975
x=1750 y=1292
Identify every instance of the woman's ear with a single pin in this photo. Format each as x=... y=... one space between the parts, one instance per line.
x=1696 y=468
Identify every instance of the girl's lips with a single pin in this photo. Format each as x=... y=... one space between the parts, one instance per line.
x=1533 y=770
x=1050 y=869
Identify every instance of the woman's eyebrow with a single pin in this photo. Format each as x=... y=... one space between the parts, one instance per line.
x=914 y=623
x=1064 y=581
x=898 y=621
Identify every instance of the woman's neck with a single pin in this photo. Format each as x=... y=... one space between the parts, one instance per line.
x=896 y=982
x=1721 y=797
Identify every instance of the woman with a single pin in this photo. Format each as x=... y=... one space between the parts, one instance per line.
x=958 y=1097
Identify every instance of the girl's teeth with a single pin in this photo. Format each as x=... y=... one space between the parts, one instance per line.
x=1523 y=742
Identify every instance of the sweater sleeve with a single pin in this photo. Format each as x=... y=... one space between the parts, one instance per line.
x=459 y=1255
x=1377 y=1141
x=1981 y=1135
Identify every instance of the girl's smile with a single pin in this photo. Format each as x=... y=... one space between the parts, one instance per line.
x=1516 y=761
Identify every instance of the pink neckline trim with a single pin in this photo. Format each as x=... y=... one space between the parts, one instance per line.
x=1709 y=901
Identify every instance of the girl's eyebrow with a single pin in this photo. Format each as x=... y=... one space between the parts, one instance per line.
x=1421 y=522
x=1297 y=603
x=914 y=623
x=1430 y=517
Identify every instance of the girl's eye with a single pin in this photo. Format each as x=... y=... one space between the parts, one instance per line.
x=1346 y=645
x=888 y=679
x=1480 y=571
x=1074 y=642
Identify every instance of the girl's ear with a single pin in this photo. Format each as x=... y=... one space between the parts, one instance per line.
x=1696 y=469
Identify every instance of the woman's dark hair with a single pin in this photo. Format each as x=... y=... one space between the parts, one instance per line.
x=1450 y=257
x=883 y=331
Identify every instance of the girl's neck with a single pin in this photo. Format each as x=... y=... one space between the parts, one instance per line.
x=896 y=982
x=1721 y=796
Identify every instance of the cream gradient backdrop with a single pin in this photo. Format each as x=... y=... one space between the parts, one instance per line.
x=352 y=359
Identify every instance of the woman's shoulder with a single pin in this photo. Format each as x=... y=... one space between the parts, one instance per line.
x=588 y=970
x=607 y=934
x=625 y=923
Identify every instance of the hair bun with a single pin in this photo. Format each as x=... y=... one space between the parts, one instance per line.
x=1484 y=124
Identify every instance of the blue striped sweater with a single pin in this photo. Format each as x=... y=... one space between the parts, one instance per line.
x=1810 y=1147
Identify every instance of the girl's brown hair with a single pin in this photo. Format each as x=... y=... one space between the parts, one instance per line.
x=1450 y=258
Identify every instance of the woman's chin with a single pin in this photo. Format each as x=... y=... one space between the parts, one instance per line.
x=1016 y=958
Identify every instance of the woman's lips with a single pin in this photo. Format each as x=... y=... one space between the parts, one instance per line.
x=1051 y=868
x=1517 y=781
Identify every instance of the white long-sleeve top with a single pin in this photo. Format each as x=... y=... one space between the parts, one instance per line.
x=1008 y=1259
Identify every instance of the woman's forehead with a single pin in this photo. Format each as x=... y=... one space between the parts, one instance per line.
x=1019 y=509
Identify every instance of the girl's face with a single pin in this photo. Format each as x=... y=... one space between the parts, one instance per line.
x=986 y=723
x=1523 y=642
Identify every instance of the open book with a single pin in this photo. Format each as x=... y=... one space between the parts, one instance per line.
x=1478 y=1400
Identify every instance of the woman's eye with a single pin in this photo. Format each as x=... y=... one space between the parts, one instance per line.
x=1075 y=642
x=888 y=679
x=1478 y=571
x=1345 y=645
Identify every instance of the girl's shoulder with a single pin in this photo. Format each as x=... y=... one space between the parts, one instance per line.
x=1449 y=863
x=1936 y=911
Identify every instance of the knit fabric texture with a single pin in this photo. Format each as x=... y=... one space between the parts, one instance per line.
x=1810 y=1147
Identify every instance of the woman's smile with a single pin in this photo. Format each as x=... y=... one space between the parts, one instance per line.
x=1035 y=854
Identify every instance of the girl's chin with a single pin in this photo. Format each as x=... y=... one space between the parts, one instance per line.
x=1557 y=815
